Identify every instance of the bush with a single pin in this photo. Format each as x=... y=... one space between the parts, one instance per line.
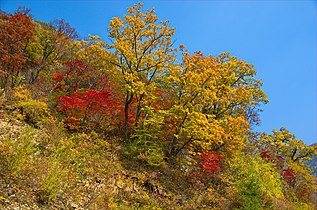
x=18 y=152
x=256 y=181
x=54 y=182
x=147 y=148
x=31 y=111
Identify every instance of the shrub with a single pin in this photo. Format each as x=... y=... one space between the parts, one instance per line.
x=146 y=148
x=31 y=111
x=54 y=182
x=256 y=181
x=18 y=152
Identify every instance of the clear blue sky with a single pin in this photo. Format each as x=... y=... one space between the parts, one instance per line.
x=278 y=37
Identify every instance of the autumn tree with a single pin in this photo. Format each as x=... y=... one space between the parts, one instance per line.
x=16 y=32
x=284 y=143
x=143 y=51
x=93 y=52
x=214 y=101
x=50 y=47
x=83 y=94
x=290 y=156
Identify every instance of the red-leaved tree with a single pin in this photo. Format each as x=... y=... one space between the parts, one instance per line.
x=16 y=30
x=84 y=95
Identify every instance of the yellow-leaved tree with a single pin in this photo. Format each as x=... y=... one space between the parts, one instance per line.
x=214 y=101
x=201 y=103
x=142 y=49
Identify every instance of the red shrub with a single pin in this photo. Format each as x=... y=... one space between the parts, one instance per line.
x=210 y=162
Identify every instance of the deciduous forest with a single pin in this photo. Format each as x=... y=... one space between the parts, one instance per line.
x=135 y=122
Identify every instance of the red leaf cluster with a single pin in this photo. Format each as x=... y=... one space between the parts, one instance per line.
x=265 y=155
x=278 y=159
x=94 y=100
x=84 y=94
x=78 y=75
x=289 y=175
x=210 y=162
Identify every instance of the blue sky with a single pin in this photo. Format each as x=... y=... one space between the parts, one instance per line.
x=278 y=37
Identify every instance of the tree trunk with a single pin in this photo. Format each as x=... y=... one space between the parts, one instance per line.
x=128 y=101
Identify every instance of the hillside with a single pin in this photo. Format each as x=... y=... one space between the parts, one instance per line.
x=86 y=124
x=47 y=167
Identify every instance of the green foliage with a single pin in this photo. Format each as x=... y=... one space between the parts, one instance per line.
x=293 y=155
x=147 y=148
x=53 y=183
x=256 y=181
x=18 y=152
x=145 y=143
